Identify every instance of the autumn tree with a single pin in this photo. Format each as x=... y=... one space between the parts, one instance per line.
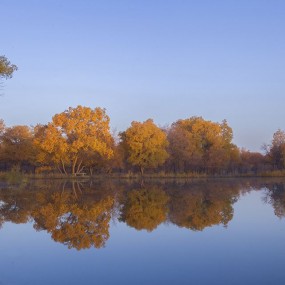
x=145 y=145
x=251 y=161
x=181 y=149
x=69 y=139
x=95 y=162
x=200 y=145
x=17 y=145
x=276 y=150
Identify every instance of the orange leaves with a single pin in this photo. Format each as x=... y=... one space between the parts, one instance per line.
x=276 y=150
x=197 y=144
x=74 y=132
x=17 y=144
x=146 y=144
x=79 y=140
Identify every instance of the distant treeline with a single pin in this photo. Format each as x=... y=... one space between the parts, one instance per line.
x=78 y=141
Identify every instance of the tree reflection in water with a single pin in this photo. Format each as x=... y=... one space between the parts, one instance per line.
x=74 y=223
x=276 y=197
x=200 y=207
x=79 y=214
x=145 y=208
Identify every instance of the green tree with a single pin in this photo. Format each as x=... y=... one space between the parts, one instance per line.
x=145 y=145
x=6 y=68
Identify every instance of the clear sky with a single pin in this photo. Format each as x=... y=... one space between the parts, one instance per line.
x=166 y=60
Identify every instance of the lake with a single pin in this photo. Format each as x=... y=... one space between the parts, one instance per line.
x=215 y=231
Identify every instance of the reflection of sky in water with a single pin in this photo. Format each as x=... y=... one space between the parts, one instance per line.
x=251 y=250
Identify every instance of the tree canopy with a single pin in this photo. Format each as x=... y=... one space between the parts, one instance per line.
x=145 y=144
x=17 y=145
x=200 y=145
x=79 y=141
x=6 y=68
x=276 y=150
x=71 y=135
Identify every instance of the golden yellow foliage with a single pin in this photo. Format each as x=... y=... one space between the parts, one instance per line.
x=200 y=145
x=72 y=134
x=276 y=150
x=17 y=145
x=145 y=144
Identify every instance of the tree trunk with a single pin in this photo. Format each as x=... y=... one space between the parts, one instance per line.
x=63 y=167
x=59 y=169
x=74 y=166
x=79 y=168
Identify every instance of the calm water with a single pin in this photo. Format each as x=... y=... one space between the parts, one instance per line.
x=199 y=232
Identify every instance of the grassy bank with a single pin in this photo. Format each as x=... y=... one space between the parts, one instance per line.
x=15 y=176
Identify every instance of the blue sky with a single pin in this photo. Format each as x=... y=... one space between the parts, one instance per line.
x=165 y=60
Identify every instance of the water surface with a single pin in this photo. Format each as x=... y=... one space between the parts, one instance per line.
x=118 y=232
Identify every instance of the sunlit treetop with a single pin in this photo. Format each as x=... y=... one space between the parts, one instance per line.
x=72 y=135
x=145 y=144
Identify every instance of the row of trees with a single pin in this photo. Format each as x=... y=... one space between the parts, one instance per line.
x=79 y=140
